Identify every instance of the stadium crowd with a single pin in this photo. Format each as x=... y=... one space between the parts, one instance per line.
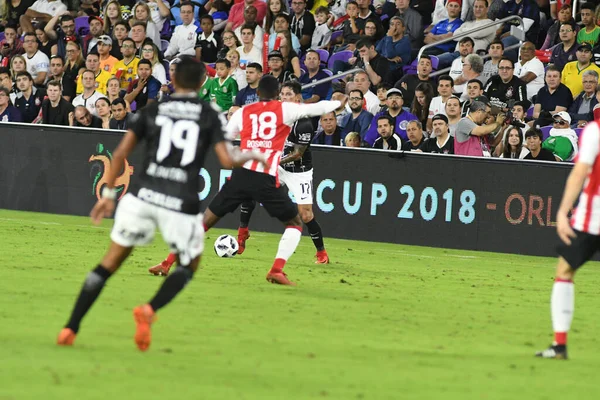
x=94 y=63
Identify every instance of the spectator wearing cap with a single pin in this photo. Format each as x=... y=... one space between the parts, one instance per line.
x=314 y=73
x=441 y=142
x=534 y=138
x=8 y=113
x=581 y=110
x=551 y=99
x=42 y=11
x=29 y=98
x=564 y=52
x=107 y=61
x=416 y=140
x=90 y=41
x=445 y=29
x=409 y=82
x=562 y=141
x=92 y=63
x=37 y=62
x=482 y=37
x=359 y=119
x=183 y=40
x=470 y=137
x=590 y=32
x=397 y=115
x=573 y=71
x=64 y=34
x=55 y=109
x=505 y=87
x=387 y=139
x=530 y=12
x=530 y=70
x=249 y=53
x=564 y=15
x=275 y=60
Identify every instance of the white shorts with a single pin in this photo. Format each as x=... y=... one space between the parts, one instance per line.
x=136 y=221
x=299 y=183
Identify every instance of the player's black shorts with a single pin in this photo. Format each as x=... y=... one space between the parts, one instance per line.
x=250 y=185
x=581 y=249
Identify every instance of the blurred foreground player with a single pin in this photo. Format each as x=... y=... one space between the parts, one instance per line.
x=263 y=126
x=177 y=134
x=581 y=236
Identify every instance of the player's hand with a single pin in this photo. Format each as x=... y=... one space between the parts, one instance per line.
x=103 y=208
x=563 y=228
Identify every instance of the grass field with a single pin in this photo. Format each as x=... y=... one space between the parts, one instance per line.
x=383 y=321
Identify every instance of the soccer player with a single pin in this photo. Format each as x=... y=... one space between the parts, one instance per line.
x=263 y=126
x=177 y=136
x=581 y=236
x=296 y=171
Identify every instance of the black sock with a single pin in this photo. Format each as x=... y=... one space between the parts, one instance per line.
x=89 y=293
x=171 y=286
x=314 y=229
x=246 y=212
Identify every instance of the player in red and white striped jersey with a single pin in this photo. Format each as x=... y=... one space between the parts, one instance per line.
x=580 y=235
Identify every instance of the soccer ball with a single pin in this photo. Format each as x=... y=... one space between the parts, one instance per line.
x=226 y=246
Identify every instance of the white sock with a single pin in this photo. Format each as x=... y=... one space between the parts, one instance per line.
x=288 y=243
x=562 y=305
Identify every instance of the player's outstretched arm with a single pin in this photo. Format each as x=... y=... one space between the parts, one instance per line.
x=315 y=109
x=106 y=205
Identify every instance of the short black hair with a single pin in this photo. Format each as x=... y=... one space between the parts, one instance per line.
x=512 y=63
x=128 y=39
x=143 y=61
x=92 y=53
x=268 y=87
x=256 y=66
x=365 y=42
x=189 y=73
x=387 y=118
x=29 y=34
x=125 y=24
x=446 y=78
x=5 y=70
x=209 y=17
x=56 y=83
x=476 y=81
x=66 y=17
x=57 y=57
x=223 y=61
x=294 y=86
x=588 y=6
x=313 y=51
x=282 y=15
x=24 y=73
x=466 y=39
x=534 y=132
x=186 y=3
x=362 y=96
x=249 y=25
x=496 y=41
x=118 y=101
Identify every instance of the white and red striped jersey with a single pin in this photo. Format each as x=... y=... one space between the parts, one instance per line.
x=264 y=126
x=586 y=217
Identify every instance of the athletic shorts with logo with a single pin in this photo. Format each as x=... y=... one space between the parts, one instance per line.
x=299 y=183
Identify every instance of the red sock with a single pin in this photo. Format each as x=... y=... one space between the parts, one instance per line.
x=170 y=259
x=278 y=265
x=206 y=228
x=560 y=338
x=242 y=230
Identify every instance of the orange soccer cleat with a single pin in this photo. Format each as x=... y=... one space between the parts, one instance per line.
x=280 y=278
x=243 y=235
x=66 y=337
x=161 y=269
x=322 y=257
x=144 y=317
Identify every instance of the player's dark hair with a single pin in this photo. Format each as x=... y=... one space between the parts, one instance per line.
x=387 y=118
x=256 y=66
x=118 y=101
x=446 y=78
x=294 y=86
x=268 y=87
x=189 y=73
x=224 y=61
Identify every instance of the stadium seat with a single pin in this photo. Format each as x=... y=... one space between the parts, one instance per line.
x=82 y=26
x=546 y=131
x=1 y=35
x=335 y=35
x=164 y=44
x=579 y=131
x=165 y=64
x=340 y=56
x=530 y=112
x=166 y=31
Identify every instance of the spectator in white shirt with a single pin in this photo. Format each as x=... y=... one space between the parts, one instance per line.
x=530 y=70
x=183 y=41
x=438 y=104
x=250 y=14
x=90 y=94
x=249 y=53
x=42 y=11
x=37 y=62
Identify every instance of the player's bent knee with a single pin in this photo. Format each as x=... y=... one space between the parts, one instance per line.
x=296 y=221
x=564 y=270
x=307 y=216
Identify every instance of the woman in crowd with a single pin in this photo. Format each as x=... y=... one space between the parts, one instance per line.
x=17 y=64
x=420 y=106
x=119 y=33
x=45 y=45
x=371 y=30
x=291 y=61
x=74 y=62
x=13 y=11
x=236 y=72
x=103 y=111
x=141 y=12
x=274 y=7
x=111 y=15
x=230 y=42
x=513 y=144
x=113 y=89
x=150 y=52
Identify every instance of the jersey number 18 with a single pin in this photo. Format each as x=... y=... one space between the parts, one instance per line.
x=264 y=125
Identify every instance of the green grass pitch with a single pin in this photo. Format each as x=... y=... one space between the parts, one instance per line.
x=383 y=321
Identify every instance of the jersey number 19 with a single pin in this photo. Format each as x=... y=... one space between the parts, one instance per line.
x=182 y=134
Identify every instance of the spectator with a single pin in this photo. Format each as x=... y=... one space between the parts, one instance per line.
x=138 y=34
x=207 y=43
x=444 y=29
x=89 y=95
x=438 y=103
x=552 y=37
x=274 y=7
x=490 y=68
x=41 y=11
x=8 y=113
x=248 y=94
x=453 y=112
x=409 y=82
x=534 y=138
x=283 y=25
x=375 y=65
x=236 y=14
x=331 y=134
x=224 y=88
x=470 y=132
x=113 y=90
x=57 y=73
x=382 y=90
x=237 y=73
x=530 y=12
x=395 y=46
x=90 y=42
x=504 y=87
x=562 y=142
x=106 y=60
x=17 y=64
x=275 y=61
x=366 y=15
x=581 y=110
x=205 y=88
x=340 y=112
x=120 y=117
x=37 y=62
x=352 y=139
x=249 y=53
x=45 y=44
x=7 y=82
x=183 y=39
x=351 y=28
x=564 y=52
x=11 y=45
x=513 y=144
x=397 y=114
x=151 y=53
x=29 y=99
x=56 y=109
x=322 y=34
x=13 y=11
x=74 y=62
x=590 y=32
x=104 y=112
x=126 y=68
x=145 y=89
x=314 y=73
x=530 y=70
x=387 y=140
x=552 y=98
x=416 y=141
x=230 y=42
x=572 y=71
x=359 y=119
x=482 y=37
x=456 y=69
x=82 y=117
x=92 y=63
x=413 y=23
x=441 y=142
x=120 y=33
x=64 y=34
x=420 y=104
x=250 y=14
x=472 y=69
x=141 y=13
x=112 y=15
x=361 y=82
x=519 y=117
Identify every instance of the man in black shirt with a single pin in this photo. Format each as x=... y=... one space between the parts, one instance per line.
x=57 y=73
x=441 y=142
x=55 y=109
x=416 y=141
x=177 y=135
x=207 y=43
x=387 y=139
x=29 y=98
x=120 y=117
x=303 y=23
x=534 y=138
x=82 y=117
x=374 y=64
x=505 y=86
x=409 y=82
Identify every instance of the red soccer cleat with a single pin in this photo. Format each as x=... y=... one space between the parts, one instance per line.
x=243 y=235
x=66 y=337
x=161 y=269
x=280 y=278
x=322 y=257
x=144 y=317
